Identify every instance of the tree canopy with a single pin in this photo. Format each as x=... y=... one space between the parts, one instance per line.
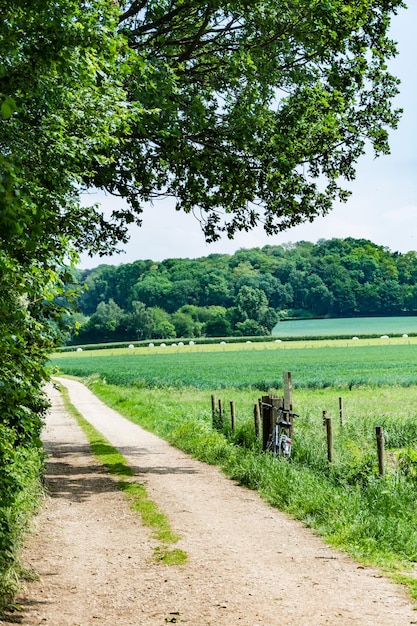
x=253 y=112
x=62 y=102
x=245 y=112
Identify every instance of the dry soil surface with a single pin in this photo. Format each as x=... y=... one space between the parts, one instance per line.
x=248 y=564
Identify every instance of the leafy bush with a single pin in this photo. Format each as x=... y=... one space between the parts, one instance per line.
x=28 y=334
x=21 y=489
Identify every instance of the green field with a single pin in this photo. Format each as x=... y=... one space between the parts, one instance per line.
x=347 y=327
x=259 y=366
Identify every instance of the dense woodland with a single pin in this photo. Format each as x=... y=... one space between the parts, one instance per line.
x=245 y=293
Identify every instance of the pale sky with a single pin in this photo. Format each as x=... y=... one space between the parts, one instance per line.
x=382 y=207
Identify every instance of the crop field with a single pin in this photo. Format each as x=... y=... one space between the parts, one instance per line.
x=343 y=327
x=313 y=365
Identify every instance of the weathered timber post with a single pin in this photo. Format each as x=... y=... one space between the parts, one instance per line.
x=232 y=415
x=216 y=412
x=287 y=391
x=266 y=420
x=287 y=401
x=257 y=419
x=268 y=417
x=329 y=432
x=213 y=411
x=341 y=411
x=381 y=449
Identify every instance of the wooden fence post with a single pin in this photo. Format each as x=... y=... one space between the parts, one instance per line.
x=257 y=419
x=213 y=404
x=266 y=421
x=287 y=401
x=341 y=411
x=381 y=449
x=329 y=433
x=287 y=391
x=213 y=411
x=232 y=415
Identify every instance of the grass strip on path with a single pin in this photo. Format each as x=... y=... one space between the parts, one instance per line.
x=117 y=466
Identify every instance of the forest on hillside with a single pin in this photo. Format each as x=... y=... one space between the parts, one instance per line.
x=243 y=294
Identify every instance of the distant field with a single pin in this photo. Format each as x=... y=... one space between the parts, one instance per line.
x=365 y=326
x=314 y=365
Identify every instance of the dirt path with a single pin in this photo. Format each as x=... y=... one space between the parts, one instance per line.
x=249 y=565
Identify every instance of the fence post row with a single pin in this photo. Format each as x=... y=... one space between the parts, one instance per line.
x=266 y=406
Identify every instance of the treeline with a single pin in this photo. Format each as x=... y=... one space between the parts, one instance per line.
x=245 y=293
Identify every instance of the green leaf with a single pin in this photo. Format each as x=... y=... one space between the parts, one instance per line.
x=8 y=107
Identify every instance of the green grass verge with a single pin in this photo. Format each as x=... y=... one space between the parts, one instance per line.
x=136 y=493
x=348 y=504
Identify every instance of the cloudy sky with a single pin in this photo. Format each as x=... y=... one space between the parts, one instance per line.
x=382 y=208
